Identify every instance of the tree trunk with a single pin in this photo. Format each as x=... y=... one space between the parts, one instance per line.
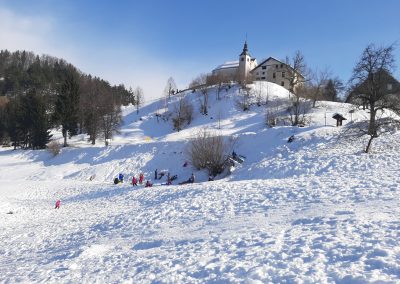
x=64 y=133
x=369 y=143
x=372 y=122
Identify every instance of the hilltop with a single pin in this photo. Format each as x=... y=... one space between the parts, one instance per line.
x=314 y=210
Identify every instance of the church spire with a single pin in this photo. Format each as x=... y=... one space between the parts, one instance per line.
x=245 y=50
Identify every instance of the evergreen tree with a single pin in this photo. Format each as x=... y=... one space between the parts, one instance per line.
x=40 y=133
x=67 y=103
x=12 y=122
x=3 y=132
x=330 y=91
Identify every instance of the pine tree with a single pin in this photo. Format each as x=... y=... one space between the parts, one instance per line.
x=330 y=91
x=66 y=108
x=40 y=133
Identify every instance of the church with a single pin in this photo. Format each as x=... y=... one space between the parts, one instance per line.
x=270 y=69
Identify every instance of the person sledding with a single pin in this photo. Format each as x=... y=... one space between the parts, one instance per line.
x=161 y=175
x=148 y=184
x=141 y=178
x=134 y=181
x=234 y=155
x=190 y=180
x=121 y=178
x=237 y=158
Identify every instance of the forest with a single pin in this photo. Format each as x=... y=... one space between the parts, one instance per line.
x=39 y=93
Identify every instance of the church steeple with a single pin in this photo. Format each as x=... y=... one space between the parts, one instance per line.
x=245 y=50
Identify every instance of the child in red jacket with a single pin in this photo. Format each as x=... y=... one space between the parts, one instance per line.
x=134 y=181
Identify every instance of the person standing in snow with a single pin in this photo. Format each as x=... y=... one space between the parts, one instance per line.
x=134 y=181
x=191 y=179
x=141 y=178
x=234 y=155
x=155 y=174
x=121 y=177
x=58 y=203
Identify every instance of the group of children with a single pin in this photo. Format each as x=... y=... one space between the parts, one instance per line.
x=140 y=179
x=135 y=181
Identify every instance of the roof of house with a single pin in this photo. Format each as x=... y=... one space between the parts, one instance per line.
x=269 y=58
x=228 y=64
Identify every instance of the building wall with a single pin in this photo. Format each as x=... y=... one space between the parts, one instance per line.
x=246 y=64
x=272 y=71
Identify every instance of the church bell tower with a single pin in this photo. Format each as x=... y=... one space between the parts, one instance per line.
x=244 y=63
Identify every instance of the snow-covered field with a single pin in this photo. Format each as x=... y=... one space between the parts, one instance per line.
x=317 y=210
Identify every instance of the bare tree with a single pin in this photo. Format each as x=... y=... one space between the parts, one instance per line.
x=139 y=98
x=243 y=101
x=110 y=123
x=201 y=83
x=299 y=107
x=371 y=86
x=170 y=88
x=209 y=151
x=315 y=90
x=183 y=113
x=296 y=70
x=218 y=80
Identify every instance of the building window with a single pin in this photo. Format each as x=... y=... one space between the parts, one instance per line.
x=389 y=87
x=263 y=73
x=264 y=67
x=242 y=59
x=274 y=75
x=283 y=84
x=281 y=65
x=262 y=78
x=276 y=66
x=248 y=60
x=283 y=74
x=257 y=73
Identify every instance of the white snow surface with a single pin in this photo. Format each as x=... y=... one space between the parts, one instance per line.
x=317 y=210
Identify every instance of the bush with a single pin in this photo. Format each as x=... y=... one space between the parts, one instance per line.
x=208 y=151
x=183 y=113
x=54 y=148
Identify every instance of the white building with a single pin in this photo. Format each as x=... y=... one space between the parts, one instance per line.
x=271 y=69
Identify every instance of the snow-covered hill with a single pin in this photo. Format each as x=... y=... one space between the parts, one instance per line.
x=314 y=210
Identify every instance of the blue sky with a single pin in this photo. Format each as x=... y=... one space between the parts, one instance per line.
x=145 y=42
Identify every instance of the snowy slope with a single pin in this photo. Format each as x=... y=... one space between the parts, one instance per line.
x=315 y=210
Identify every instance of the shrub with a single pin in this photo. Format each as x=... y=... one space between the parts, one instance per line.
x=54 y=148
x=208 y=151
x=183 y=113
